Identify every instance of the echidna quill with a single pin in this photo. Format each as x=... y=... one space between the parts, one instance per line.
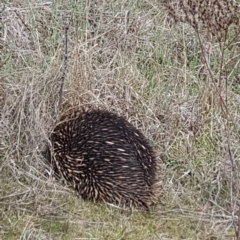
x=105 y=158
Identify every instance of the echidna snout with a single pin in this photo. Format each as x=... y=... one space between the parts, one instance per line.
x=105 y=158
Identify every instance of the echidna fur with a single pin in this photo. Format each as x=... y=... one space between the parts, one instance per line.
x=105 y=158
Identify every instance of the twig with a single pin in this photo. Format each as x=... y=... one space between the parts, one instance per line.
x=62 y=78
x=65 y=63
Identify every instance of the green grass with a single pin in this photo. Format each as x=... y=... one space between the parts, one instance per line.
x=127 y=57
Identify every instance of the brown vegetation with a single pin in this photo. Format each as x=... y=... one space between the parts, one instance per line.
x=177 y=82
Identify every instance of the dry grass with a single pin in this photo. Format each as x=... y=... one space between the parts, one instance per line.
x=168 y=79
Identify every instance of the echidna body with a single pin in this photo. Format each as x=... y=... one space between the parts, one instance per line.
x=105 y=158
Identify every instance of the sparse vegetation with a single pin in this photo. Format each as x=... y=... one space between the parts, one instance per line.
x=170 y=67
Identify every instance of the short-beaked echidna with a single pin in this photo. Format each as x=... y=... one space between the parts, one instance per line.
x=106 y=158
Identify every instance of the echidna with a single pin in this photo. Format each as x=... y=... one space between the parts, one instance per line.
x=105 y=158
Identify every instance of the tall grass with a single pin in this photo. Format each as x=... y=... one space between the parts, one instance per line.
x=175 y=78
